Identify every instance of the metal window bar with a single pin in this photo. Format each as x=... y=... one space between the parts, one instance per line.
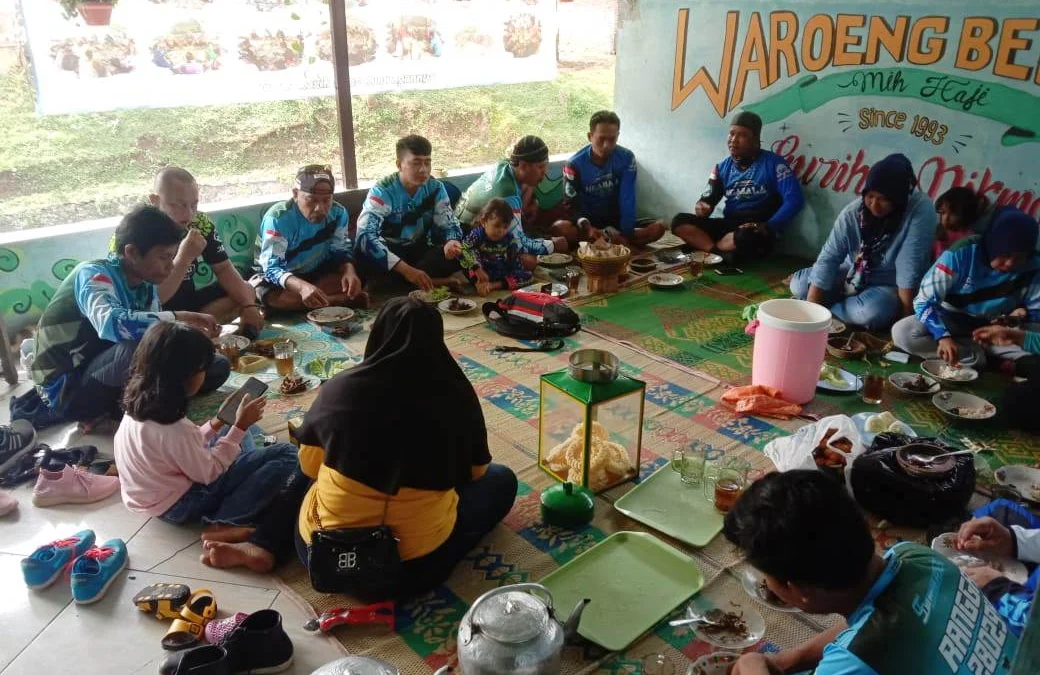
x=341 y=65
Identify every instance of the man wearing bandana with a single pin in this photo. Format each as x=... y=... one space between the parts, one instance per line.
x=514 y=180
x=306 y=258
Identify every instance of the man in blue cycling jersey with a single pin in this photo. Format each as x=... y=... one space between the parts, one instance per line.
x=599 y=188
x=762 y=198
x=407 y=225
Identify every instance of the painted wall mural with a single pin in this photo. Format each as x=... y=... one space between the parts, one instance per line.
x=953 y=85
x=31 y=271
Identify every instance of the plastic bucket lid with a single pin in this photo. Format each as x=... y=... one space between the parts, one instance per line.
x=796 y=316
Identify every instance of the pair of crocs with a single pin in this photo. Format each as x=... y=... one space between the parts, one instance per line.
x=190 y=623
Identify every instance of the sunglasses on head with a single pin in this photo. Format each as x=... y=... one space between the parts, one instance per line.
x=315 y=168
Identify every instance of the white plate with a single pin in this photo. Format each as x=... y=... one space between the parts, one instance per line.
x=900 y=380
x=706 y=259
x=240 y=341
x=934 y=366
x=867 y=437
x=427 y=296
x=555 y=259
x=310 y=380
x=1023 y=479
x=756 y=626
x=445 y=306
x=946 y=401
x=330 y=315
x=672 y=257
x=854 y=383
x=836 y=327
x=751 y=578
x=718 y=663
x=665 y=280
x=558 y=290
x=1009 y=567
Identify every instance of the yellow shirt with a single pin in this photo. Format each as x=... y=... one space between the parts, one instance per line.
x=421 y=520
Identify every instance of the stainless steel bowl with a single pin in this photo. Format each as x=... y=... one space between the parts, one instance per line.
x=594 y=365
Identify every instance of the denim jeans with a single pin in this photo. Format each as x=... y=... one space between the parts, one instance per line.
x=873 y=308
x=100 y=388
x=239 y=494
x=482 y=504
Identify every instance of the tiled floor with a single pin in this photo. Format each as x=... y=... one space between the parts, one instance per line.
x=45 y=632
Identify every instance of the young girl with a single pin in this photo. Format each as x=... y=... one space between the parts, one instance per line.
x=962 y=213
x=184 y=474
x=490 y=252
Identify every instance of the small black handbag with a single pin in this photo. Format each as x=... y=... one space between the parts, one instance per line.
x=359 y=561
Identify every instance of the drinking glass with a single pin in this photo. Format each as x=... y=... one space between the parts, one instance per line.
x=692 y=470
x=873 y=387
x=740 y=465
x=573 y=281
x=678 y=455
x=283 y=358
x=696 y=266
x=728 y=485
x=710 y=475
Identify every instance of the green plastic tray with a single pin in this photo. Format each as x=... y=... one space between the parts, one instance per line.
x=633 y=581
x=665 y=503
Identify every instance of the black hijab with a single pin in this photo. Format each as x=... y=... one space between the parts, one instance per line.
x=406 y=410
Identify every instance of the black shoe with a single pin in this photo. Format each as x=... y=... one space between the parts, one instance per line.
x=204 y=660
x=16 y=440
x=259 y=645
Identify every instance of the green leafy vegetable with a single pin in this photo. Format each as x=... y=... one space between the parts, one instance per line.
x=326 y=368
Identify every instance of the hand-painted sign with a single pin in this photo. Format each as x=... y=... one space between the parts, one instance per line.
x=954 y=85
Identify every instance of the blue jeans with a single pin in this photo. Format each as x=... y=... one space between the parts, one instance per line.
x=239 y=494
x=482 y=504
x=873 y=308
x=100 y=388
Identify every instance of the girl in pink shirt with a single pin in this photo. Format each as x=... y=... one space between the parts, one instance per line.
x=186 y=474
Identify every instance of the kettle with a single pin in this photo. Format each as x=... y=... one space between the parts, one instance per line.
x=509 y=630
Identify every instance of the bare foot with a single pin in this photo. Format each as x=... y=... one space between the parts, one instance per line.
x=230 y=534
x=222 y=555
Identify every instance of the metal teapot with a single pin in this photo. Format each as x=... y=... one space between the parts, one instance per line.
x=509 y=630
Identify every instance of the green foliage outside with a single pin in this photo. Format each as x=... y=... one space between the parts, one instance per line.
x=68 y=168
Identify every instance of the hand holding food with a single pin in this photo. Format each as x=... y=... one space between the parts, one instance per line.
x=948 y=351
x=1000 y=336
x=193 y=244
x=985 y=535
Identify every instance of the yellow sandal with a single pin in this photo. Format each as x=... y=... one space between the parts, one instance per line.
x=186 y=631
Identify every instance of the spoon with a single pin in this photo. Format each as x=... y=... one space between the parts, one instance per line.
x=694 y=618
x=925 y=459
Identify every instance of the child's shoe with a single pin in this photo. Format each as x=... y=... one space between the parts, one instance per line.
x=43 y=567
x=72 y=486
x=95 y=570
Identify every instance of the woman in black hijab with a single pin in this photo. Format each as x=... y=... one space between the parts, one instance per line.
x=871 y=265
x=400 y=440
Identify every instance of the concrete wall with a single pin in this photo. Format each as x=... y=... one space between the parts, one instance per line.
x=959 y=97
x=34 y=262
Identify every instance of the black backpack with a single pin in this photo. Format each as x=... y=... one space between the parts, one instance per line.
x=531 y=316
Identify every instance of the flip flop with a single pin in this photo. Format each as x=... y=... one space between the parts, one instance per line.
x=165 y=601
x=186 y=631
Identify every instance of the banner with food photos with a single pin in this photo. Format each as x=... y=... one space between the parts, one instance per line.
x=96 y=56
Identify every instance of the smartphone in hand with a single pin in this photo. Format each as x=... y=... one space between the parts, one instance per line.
x=253 y=387
x=727 y=271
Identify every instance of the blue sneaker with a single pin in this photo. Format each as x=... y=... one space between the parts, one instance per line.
x=94 y=571
x=45 y=565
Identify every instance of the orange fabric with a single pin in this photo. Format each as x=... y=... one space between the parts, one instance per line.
x=760 y=399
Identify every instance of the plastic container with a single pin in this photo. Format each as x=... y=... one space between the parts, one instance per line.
x=790 y=344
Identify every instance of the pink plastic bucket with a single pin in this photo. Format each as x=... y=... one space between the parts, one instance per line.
x=790 y=343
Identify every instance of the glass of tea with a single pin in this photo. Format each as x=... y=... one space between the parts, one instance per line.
x=728 y=485
x=231 y=352
x=283 y=358
x=873 y=387
x=696 y=265
x=678 y=456
x=573 y=281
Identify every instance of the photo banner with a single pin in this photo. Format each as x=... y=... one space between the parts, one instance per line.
x=170 y=53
